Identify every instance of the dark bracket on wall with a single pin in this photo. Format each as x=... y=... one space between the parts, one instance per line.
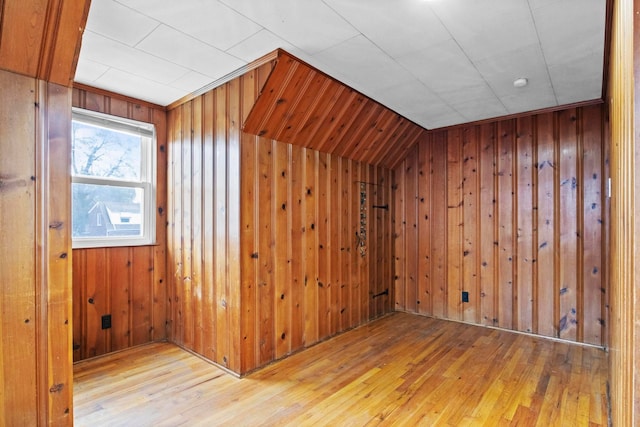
x=385 y=207
x=385 y=292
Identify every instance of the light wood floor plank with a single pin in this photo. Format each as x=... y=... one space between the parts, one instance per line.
x=401 y=370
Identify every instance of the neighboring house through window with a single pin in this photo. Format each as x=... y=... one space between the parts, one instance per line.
x=113 y=181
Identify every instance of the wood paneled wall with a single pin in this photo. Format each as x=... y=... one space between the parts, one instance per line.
x=41 y=38
x=204 y=219
x=300 y=105
x=35 y=255
x=127 y=282
x=304 y=277
x=262 y=253
x=511 y=212
x=623 y=99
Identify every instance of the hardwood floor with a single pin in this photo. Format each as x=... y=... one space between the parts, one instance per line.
x=399 y=370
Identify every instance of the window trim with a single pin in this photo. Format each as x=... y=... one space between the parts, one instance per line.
x=148 y=178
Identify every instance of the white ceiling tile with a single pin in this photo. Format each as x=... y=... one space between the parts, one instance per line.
x=478 y=109
x=485 y=28
x=528 y=99
x=455 y=60
x=535 y=4
x=475 y=103
x=442 y=67
x=118 y=55
x=140 y=88
x=471 y=93
x=407 y=96
x=191 y=81
x=406 y=27
x=206 y=20
x=258 y=45
x=579 y=80
x=499 y=72
x=87 y=71
x=379 y=71
x=179 y=48
x=570 y=29
x=309 y=25
x=418 y=104
x=111 y=19
x=440 y=120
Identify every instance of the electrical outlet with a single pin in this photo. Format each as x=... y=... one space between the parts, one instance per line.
x=106 y=321
x=465 y=296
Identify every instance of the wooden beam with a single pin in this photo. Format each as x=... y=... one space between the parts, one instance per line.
x=41 y=38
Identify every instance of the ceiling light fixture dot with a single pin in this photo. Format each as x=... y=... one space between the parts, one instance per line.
x=521 y=82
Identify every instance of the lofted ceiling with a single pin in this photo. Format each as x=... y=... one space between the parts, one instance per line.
x=435 y=62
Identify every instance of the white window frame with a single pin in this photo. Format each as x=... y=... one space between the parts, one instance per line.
x=147 y=179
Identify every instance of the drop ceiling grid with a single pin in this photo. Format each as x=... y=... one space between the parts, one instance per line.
x=438 y=63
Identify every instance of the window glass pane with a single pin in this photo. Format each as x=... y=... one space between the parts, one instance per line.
x=105 y=153
x=106 y=210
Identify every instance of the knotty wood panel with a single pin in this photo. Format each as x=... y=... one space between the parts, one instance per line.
x=127 y=282
x=278 y=251
x=318 y=302
x=624 y=359
x=471 y=262
x=439 y=226
x=487 y=225
x=454 y=214
x=516 y=219
x=35 y=257
x=506 y=205
x=207 y=291
x=41 y=39
x=301 y=105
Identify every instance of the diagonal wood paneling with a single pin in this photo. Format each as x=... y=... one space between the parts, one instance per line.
x=300 y=105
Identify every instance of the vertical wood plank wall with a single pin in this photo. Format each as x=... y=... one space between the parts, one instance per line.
x=127 y=282
x=623 y=99
x=303 y=276
x=511 y=212
x=35 y=255
x=261 y=240
x=203 y=241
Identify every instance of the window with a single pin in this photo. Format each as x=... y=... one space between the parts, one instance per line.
x=113 y=176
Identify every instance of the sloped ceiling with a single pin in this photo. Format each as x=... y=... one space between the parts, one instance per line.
x=435 y=62
x=301 y=105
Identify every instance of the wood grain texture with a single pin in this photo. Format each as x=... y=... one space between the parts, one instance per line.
x=398 y=370
x=470 y=215
x=127 y=282
x=289 y=214
x=41 y=39
x=487 y=226
x=624 y=329
x=207 y=222
x=527 y=193
x=54 y=292
x=290 y=314
x=18 y=261
x=301 y=105
x=35 y=266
